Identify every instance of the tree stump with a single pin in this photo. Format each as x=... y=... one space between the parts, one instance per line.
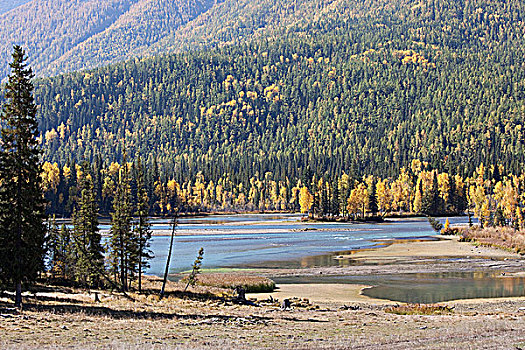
x=286 y=304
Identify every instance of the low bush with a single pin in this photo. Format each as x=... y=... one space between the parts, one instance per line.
x=419 y=309
x=500 y=237
x=251 y=284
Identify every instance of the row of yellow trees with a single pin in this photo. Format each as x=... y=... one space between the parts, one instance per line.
x=491 y=197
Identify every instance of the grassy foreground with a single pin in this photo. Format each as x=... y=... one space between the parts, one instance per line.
x=205 y=318
x=333 y=316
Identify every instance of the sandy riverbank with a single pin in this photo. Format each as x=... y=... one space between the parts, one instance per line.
x=326 y=293
x=446 y=246
x=444 y=255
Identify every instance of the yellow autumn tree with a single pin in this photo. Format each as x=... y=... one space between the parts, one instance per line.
x=50 y=176
x=402 y=191
x=305 y=200
x=343 y=188
x=384 y=196
x=416 y=166
x=509 y=201
x=479 y=200
x=358 y=200
x=446 y=229
x=418 y=197
x=443 y=186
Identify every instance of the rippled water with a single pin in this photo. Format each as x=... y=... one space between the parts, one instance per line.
x=269 y=240
x=282 y=240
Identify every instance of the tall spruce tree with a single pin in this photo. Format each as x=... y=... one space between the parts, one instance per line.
x=87 y=246
x=62 y=261
x=123 y=243
x=431 y=201
x=142 y=225
x=22 y=228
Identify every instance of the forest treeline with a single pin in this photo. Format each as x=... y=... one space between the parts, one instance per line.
x=443 y=83
x=487 y=194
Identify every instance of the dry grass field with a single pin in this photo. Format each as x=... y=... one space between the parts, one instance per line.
x=207 y=318
x=500 y=237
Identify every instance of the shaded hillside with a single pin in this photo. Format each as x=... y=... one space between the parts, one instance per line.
x=48 y=29
x=62 y=35
x=8 y=5
x=364 y=93
x=146 y=23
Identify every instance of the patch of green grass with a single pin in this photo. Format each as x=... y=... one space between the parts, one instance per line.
x=419 y=309
x=250 y=283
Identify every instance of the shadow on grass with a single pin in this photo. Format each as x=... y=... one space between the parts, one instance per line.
x=102 y=311
x=184 y=295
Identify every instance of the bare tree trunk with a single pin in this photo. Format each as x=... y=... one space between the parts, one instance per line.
x=122 y=262
x=166 y=270
x=18 y=294
x=18 y=244
x=140 y=260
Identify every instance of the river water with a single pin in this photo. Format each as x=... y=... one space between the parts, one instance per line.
x=269 y=240
x=283 y=240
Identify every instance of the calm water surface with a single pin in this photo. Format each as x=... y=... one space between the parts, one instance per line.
x=428 y=287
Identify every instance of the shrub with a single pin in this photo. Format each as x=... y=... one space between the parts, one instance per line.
x=419 y=309
x=436 y=225
x=251 y=284
x=448 y=230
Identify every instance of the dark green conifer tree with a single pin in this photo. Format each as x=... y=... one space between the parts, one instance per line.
x=431 y=203
x=324 y=200
x=334 y=200
x=88 y=252
x=142 y=225
x=22 y=228
x=453 y=196
x=62 y=262
x=123 y=244
x=372 y=198
x=51 y=243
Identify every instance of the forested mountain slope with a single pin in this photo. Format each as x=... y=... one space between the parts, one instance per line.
x=146 y=23
x=360 y=89
x=62 y=35
x=48 y=29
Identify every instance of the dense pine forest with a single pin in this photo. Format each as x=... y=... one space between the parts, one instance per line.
x=439 y=82
x=9 y=5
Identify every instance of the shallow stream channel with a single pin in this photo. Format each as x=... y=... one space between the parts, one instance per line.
x=253 y=241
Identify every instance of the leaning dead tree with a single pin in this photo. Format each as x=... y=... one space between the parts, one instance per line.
x=168 y=260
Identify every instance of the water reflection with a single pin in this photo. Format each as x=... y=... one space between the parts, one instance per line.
x=428 y=287
x=340 y=258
